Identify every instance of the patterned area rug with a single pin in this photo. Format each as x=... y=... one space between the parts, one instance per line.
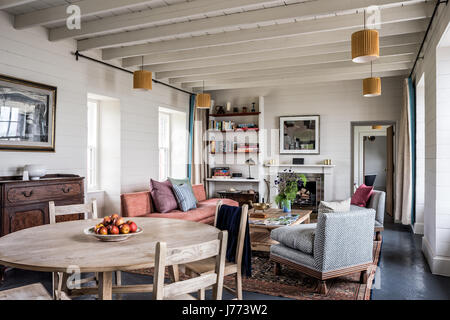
x=295 y=285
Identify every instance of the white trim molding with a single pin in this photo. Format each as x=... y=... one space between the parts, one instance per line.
x=439 y=265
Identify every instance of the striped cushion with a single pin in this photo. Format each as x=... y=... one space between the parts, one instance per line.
x=185 y=197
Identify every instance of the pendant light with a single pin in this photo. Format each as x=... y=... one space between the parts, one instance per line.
x=142 y=79
x=377 y=127
x=365 y=45
x=372 y=85
x=203 y=99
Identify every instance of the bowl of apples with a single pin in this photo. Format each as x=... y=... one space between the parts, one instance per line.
x=114 y=228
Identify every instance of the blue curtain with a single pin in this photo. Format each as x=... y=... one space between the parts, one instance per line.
x=412 y=99
x=191 y=134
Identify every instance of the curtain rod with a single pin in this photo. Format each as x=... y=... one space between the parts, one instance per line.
x=426 y=33
x=79 y=55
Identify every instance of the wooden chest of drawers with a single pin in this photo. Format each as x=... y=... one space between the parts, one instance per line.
x=24 y=204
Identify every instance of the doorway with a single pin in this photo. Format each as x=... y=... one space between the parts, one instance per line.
x=373 y=158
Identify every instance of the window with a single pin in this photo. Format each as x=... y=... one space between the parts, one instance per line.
x=164 y=146
x=92 y=148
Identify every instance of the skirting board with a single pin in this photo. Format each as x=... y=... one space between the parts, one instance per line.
x=438 y=264
x=418 y=228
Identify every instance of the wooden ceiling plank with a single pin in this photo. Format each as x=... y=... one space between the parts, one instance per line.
x=7 y=4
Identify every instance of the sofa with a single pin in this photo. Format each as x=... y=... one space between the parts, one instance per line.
x=140 y=204
x=341 y=243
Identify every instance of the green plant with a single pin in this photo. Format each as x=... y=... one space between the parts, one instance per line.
x=288 y=186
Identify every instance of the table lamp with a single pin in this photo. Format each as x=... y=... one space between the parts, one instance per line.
x=250 y=163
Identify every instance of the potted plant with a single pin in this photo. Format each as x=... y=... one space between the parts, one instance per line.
x=287 y=185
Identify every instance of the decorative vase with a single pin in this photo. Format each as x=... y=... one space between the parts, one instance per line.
x=287 y=206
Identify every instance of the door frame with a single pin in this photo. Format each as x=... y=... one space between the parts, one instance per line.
x=354 y=124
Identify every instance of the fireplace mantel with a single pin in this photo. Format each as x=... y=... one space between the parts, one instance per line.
x=303 y=168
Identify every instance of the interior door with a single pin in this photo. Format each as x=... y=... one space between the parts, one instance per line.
x=390 y=171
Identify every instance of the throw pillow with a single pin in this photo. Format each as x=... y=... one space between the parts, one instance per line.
x=334 y=206
x=185 y=197
x=362 y=195
x=162 y=195
x=182 y=181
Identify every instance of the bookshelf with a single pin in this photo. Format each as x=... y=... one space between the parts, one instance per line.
x=232 y=139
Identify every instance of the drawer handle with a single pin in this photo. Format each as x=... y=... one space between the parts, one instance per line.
x=27 y=195
x=66 y=190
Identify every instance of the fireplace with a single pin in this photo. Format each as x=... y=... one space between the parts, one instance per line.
x=309 y=196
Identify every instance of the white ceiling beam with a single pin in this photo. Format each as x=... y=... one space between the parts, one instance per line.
x=302 y=80
x=389 y=64
x=338 y=70
x=293 y=11
x=280 y=58
x=247 y=52
x=309 y=39
x=57 y=14
x=283 y=31
x=6 y=4
x=292 y=65
x=147 y=17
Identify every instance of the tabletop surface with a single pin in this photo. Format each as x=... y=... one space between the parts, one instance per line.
x=64 y=245
x=300 y=217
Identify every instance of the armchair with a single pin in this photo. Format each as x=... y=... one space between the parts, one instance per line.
x=340 y=243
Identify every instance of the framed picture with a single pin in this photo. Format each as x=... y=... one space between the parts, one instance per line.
x=300 y=135
x=27 y=115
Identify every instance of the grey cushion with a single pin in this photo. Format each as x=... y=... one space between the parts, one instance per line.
x=334 y=206
x=293 y=255
x=378 y=202
x=298 y=237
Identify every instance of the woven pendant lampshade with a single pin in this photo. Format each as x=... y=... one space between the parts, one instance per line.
x=377 y=127
x=142 y=79
x=372 y=87
x=203 y=101
x=365 y=46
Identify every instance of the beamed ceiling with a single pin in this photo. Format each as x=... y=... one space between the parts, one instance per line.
x=229 y=44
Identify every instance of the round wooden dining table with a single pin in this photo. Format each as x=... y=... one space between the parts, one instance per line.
x=64 y=247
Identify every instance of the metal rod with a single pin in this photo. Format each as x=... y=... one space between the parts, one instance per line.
x=426 y=33
x=79 y=55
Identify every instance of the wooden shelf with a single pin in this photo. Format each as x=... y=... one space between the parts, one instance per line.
x=235 y=152
x=233 y=180
x=237 y=114
x=235 y=130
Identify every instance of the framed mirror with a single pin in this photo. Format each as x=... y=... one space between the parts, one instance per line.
x=300 y=135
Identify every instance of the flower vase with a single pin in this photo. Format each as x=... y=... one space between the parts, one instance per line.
x=287 y=206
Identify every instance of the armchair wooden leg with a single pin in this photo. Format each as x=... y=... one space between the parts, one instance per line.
x=239 y=285
x=174 y=273
x=277 y=269
x=323 y=287
x=364 y=276
x=378 y=236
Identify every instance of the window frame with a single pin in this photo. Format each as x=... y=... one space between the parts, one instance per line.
x=168 y=149
x=93 y=182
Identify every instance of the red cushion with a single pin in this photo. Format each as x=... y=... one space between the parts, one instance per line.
x=362 y=195
x=163 y=196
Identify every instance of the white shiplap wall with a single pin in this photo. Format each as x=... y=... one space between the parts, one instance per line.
x=435 y=67
x=28 y=55
x=338 y=104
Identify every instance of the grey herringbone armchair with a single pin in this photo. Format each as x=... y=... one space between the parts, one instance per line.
x=340 y=243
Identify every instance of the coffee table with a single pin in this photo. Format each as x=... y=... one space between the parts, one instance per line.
x=260 y=233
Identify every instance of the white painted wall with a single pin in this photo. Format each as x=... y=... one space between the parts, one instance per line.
x=338 y=104
x=28 y=55
x=436 y=68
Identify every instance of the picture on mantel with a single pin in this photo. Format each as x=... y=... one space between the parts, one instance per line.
x=300 y=135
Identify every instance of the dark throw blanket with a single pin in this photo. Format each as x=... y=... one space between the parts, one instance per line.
x=228 y=219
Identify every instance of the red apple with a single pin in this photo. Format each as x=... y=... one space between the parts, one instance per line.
x=103 y=231
x=119 y=221
x=133 y=226
x=114 y=230
x=115 y=216
x=124 y=228
x=97 y=227
x=106 y=220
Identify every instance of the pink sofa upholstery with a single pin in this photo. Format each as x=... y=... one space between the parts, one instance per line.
x=139 y=204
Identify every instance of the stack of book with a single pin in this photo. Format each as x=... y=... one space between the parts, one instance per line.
x=247 y=147
x=221 y=125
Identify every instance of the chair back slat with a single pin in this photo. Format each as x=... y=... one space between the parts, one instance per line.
x=173 y=256
x=196 y=252
x=89 y=210
x=190 y=285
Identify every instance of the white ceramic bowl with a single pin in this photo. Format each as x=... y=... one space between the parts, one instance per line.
x=35 y=171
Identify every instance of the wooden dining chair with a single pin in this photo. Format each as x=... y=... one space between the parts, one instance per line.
x=231 y=268
x=90 y=212
x=35 y=291
x=181 y=290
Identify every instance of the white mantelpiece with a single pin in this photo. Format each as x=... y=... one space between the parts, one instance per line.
x=272 y=170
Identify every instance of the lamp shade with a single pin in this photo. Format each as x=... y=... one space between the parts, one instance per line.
x=203 y=101
x=377 y=127
x=372 y=87
x=365 y=46
x=142 y=80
